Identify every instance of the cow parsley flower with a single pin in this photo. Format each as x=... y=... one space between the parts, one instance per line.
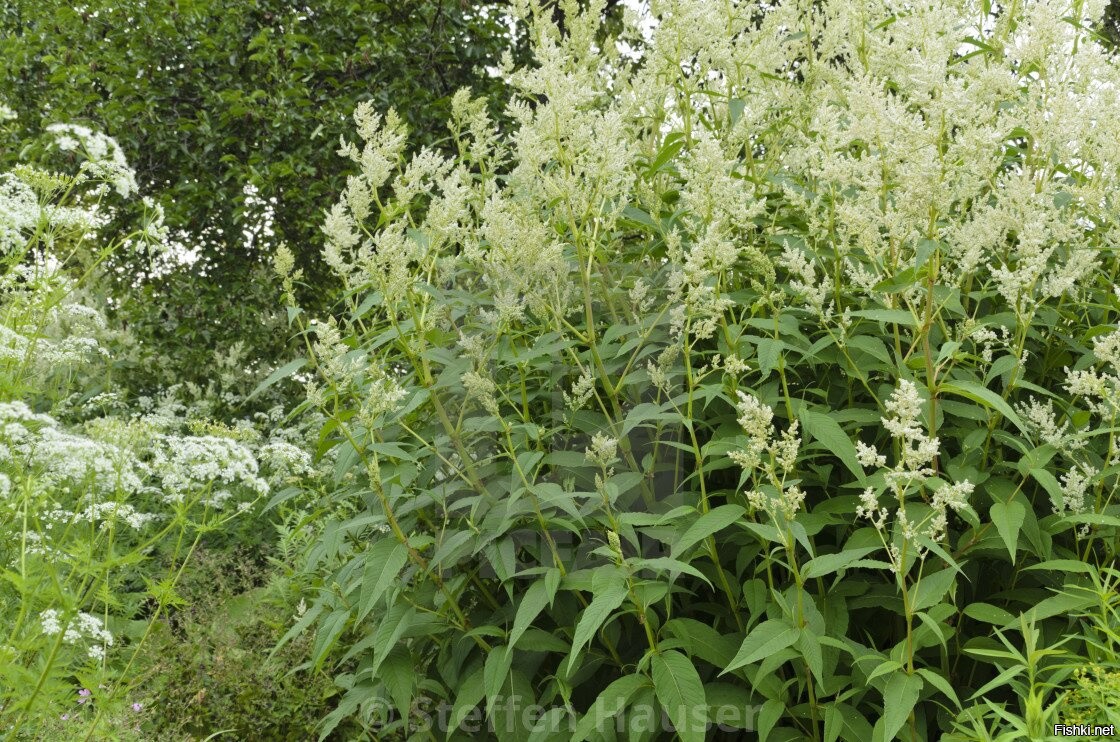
x=19 y=212
x=49 y=619
x=106 y=158
x=83 y=627
x=186 y=465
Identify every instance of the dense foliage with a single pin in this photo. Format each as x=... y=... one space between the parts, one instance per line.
x=753 y=371
x=769 y=381
x=231 y=112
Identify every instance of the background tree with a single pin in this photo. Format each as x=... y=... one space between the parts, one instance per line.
x=231 y=113
x=1110 y=24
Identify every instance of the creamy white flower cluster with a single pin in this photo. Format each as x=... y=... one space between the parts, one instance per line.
x=756 y=419
x=603 y=450
x=383 y=394
x=18 y=420
x=48 y=354
x=1099 y=388
x=988 y=339
x=83 y=626
x=1041 y=420
x=336 y=361
x=62 y=458
x=918 y=452
x=91 y=477
x=1075 y=485
x=582 y=391
x=481 y=388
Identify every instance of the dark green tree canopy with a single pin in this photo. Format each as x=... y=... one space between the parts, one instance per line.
x=208 y=97
x=231 y=114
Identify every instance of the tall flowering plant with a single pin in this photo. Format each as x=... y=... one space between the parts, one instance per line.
x=756 y=378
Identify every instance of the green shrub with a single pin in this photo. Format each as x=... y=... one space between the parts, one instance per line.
x=209 y=668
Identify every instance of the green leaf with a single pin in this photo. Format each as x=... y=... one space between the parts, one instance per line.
x=983 y=395
x=893 y=316
x=389 y=632
x=640 y=218
x=729 y=705
x=299 y=626
x=398 y=672
x=1050 y=484
x=703 y=641
x=539 y=594
x=674 y=142
x=932 y=588
x=551 y=584
x=768 y=717
x=681 y=694
x=1008 y=518
x=810 y=646
x=829 y=563
x=281 y=373
x=764 y=640
x=384 y=561
x=1057 y=605
x=943 y=685
x=768 y=350
x=550 y=726
x=1002 y=679
x=714 y=520
x=496 y=672
x=886 y=666
x=329 y=631
x=988 y=613
x=646 y=413
x=610 y=702
x=829 y=433
x=899 y=698
x=1000 y=366
x=595 y=615
x=471 y=693
x=666 y=564
x=1064 y=565
x=1094 y=519
x=871 y=345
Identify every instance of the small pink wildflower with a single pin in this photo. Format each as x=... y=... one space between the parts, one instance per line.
x=137 y=706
